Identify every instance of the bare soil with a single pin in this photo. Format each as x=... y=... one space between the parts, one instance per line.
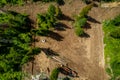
x=84 y=55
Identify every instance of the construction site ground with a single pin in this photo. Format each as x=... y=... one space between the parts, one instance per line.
x=85 y=55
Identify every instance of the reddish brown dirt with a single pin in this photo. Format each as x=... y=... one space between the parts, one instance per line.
x=84 y=55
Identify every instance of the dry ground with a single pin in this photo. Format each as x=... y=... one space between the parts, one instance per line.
x=84 y=55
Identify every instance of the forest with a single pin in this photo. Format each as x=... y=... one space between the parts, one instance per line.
x=15 y=44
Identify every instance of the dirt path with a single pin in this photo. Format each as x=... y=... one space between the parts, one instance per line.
x=84 y=55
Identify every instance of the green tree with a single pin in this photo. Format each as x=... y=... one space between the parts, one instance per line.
x=54 y=74
x=51 y=10
x=15 y=44
x=58 y=12
x=85 y=10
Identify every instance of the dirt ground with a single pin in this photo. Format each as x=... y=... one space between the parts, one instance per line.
x=84 y=55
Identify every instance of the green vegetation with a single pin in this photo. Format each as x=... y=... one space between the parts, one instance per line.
x=85 y=10
x=47 y=21
x=81 y=20
x=54 y=74
x=21 y=2
x=112 y=49
x=4 y=2
x=79 y=23
x=110 y=0
x=15 y=45
x=60 y=2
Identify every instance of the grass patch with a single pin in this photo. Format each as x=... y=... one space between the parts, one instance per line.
x=112 y=49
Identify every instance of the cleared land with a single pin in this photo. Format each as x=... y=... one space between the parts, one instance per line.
x=83 y=55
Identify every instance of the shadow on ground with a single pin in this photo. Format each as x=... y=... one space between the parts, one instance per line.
x=55 y=36
x=65 y=17
x=87 y=26
x=85 y=35
x=89 y=18
x=49 y=52
x=68 y=71
x=61 y=27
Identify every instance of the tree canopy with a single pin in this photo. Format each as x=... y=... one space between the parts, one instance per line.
x=15 y=44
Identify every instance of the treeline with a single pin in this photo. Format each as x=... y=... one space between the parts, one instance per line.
x=112 y=49
x=21 y=2
x=15 y=44
x=89 y=1
x=110 y=0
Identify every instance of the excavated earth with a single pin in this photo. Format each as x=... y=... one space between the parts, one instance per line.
x=85 y=55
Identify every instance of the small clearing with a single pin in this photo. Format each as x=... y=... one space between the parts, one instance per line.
x=83 y=55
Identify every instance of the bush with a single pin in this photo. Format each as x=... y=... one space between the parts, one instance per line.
x=54 y=74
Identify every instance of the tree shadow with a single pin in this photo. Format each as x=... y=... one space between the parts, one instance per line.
x=60 y=2
x=89 y=18
x=89 y=2
x=95 y=5
x=55 y=36
x=49 y=52
x=87 y=26
x=85 y=35
x=67 y=71
x=61 y=26
x=65 y=17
